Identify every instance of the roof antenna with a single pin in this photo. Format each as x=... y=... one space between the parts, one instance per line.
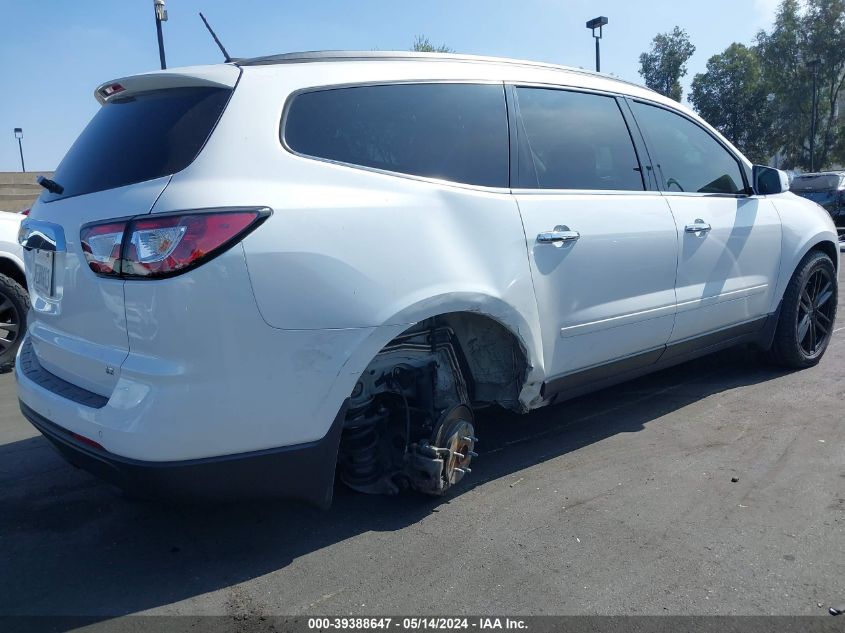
x=217 y=41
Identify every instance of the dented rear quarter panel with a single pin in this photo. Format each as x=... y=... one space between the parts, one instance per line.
x=348 y=248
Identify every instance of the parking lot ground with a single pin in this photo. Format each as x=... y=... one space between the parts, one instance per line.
x=621 y=502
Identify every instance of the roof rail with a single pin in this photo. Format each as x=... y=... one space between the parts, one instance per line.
x=336 y=56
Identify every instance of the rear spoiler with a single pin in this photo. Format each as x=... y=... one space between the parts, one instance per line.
x=220 y=75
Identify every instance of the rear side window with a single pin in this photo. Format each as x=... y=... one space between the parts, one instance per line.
x=687 y=157
x=574 y=140
x=139 y=138
x=455 y=132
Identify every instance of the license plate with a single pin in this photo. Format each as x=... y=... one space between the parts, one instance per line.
x=43 y=273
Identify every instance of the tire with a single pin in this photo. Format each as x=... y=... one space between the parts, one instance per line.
x=14 y=306
x=807 y=313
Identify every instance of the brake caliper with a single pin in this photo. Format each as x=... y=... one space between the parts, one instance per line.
x=441 y=462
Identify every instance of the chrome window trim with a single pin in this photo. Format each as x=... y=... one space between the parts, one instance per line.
x=583 y=192
x=571 y=88
x=696 y=194
x=387 y=172
x=336 y=56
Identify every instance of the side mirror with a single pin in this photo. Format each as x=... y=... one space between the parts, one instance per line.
x=768 y=180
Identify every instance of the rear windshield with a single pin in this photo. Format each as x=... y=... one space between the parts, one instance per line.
x=139 y=138
x=817 y=182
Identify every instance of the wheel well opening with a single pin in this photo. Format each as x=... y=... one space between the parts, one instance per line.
x=410 y=420
x=830 y=249
x=12 y=271
x=485 y=364
x=495 y=360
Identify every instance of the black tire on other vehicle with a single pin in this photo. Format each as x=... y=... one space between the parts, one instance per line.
x=807 y=313
x=14 y=306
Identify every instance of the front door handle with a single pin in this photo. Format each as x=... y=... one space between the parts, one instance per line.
x=699 y=227
x=559 y=236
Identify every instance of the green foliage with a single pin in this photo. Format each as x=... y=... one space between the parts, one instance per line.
x=797 y=37
x=664 y=65
x=732 y=96
x=423 y=45
x=761 y=97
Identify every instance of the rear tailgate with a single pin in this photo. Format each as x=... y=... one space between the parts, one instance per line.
x=149 y=128
x=78 y=326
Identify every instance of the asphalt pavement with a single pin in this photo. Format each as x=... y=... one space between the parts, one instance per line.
x=716 y=487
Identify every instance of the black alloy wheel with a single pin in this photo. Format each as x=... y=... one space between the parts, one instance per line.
x=816 y=311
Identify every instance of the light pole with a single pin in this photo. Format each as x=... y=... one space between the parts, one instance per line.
x=19 y=136
x=597 y=23
x=813 y=65
x=161 y=16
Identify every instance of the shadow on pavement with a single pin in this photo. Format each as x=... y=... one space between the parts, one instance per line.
x=72 y=545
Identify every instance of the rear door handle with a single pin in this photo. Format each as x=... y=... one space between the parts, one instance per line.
x=699 y=227
x=560 y=235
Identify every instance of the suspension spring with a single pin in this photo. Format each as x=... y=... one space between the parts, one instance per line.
x=359 y=459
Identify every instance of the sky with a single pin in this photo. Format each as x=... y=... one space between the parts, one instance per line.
x=53 y=53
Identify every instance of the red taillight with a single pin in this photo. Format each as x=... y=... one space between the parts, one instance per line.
x=25 y=212
x=111 y=89
x=161 y=246
x=101 y=245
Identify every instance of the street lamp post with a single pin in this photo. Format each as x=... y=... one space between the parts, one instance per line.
x=597 y=23
x=19 y=136
x=813 y=65
x=161 y=16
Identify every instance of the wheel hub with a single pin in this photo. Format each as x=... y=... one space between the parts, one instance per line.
x=436 y=465
x=457 y=436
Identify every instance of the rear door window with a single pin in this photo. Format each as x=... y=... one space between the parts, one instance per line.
x=687 y=157
x=574 y=140
x=454 y=132
x=138 y=138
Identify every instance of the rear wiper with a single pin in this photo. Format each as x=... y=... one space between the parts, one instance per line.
x=50 y=185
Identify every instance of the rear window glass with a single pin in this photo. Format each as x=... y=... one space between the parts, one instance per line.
x=817 y=182
x=139 y=138
x=455 y=132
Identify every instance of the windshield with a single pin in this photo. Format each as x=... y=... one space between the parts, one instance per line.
x=139 y=138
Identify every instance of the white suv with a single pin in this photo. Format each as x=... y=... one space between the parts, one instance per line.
x=246 y=275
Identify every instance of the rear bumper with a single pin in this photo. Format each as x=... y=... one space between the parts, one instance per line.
x=304 y=471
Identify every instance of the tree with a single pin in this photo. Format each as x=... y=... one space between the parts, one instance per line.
x=795 y=39
x=786 y=78
x=423 y=45
x=664 y=65
x=824 y=26
x=732 y=96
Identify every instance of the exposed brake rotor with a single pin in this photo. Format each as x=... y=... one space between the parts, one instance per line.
x=435 y=465
x=454 y=439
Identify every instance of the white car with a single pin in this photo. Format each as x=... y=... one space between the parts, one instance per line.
x=14 y=301
x=246 y=275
